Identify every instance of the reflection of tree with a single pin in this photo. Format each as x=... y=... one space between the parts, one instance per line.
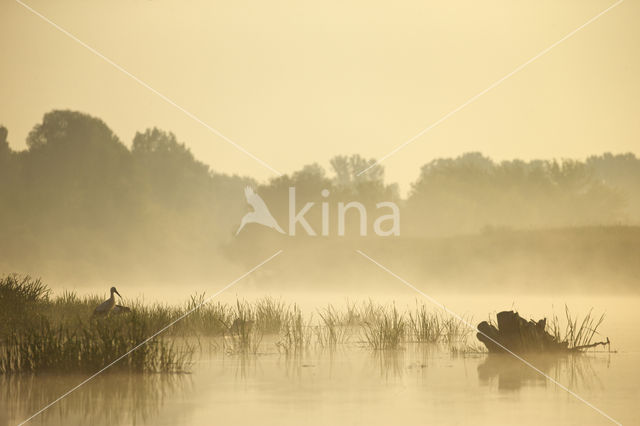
x=573 y=370
x=106 y=400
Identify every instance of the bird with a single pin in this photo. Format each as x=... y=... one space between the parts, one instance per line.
x=260 y=213
x=105 y=307
x=119 y=310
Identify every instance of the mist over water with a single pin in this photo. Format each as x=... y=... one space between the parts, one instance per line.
x=85 y=211
x=420 y=382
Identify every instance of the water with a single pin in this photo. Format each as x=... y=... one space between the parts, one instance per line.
x=421 y=384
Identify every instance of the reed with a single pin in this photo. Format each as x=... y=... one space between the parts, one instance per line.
x=577 y=333
x=23 y=289
x=43 y=332
x=386 y=330
x=270 y=314
x=332 y=329
x=295 y=333
x=89 y=346
x=424 y=326
x=242 y=335
x=208 y=319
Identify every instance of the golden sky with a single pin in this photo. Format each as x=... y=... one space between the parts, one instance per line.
x=297 y=82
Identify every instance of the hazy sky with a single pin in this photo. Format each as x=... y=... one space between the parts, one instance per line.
x=296 y=82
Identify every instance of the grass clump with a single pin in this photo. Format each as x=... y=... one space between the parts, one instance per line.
x=295 y=332
x=270 y=314
x=44 y=334
x=577 y=333
x=89 y=346
x=424 y=326
x=386 y=330
x=243 y=335
x=332 y=329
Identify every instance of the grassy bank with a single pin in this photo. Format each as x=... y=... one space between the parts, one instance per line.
x=40 y=331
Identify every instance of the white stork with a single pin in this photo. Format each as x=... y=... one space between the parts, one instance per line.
x=105 y=307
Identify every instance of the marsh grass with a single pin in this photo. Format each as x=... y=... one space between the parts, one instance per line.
x=388 y=328
x=270 y=314
x=333 y=327
x=42 y=332
x=23 y=289
x=577 y=332
x=89 y=346
x=243 y=335
x=385 y=328
x=455 y=330
x=424 y=325
x=208 y=319
x=295 y=332
x=20 y=298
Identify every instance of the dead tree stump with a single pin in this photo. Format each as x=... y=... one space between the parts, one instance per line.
x=518 y=335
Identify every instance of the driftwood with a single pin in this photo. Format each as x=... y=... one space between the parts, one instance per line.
x=519 y=335
x=592 y=345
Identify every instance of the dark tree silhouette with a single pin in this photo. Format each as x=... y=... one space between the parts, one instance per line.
x=78 y=196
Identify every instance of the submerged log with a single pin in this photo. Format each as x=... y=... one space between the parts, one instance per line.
x=518 y=335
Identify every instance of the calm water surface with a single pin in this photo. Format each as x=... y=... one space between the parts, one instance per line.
x=421 y=384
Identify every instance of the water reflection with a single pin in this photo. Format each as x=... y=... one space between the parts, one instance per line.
x=244 y=365
x=390 y=363
x=106 y=400
x=238 y=386
x=413 y=359
x=574 y=370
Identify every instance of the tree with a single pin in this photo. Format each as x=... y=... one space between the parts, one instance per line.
x=168 y=169
x=367 y=187
x=468 y=193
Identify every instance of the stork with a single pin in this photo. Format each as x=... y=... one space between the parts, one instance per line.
x=121 y=310
x=105 y=307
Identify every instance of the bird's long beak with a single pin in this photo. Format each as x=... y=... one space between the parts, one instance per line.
x=118 y=294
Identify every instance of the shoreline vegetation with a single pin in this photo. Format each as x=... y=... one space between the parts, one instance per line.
x=42 y=332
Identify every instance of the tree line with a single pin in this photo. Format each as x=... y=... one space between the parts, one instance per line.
x=79 y=194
